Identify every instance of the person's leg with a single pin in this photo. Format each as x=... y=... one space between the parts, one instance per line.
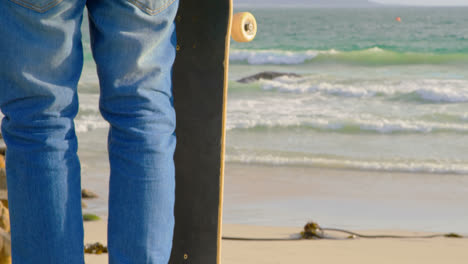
x=133 y=44
x=40 y=64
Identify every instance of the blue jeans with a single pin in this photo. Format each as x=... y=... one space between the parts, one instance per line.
x=41 y=58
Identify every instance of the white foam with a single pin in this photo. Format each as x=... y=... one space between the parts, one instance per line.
x=449 y=95
x=375 y=50
x=88 y=123
x=282 y=85
x=317 y=111
x=257 y=57
x=373 y=125
x=449 y=91
x=398 y=125
x=343 y=163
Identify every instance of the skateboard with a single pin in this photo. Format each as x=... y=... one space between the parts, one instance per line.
x=200 y=79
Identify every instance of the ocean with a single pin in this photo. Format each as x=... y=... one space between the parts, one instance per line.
x=372 y=96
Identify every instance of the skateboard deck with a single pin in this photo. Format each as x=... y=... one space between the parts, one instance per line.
x=200 y=79
x=200 y=90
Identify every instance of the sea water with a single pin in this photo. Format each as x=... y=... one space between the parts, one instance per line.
x=382 y=98
x=374 y=95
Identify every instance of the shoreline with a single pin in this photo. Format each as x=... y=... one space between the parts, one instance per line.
x=351 y=199
x=263 y=201
x=357 y=200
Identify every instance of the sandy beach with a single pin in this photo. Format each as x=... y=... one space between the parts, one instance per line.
x=276 y=201
x=287 y=196
x=359 y=251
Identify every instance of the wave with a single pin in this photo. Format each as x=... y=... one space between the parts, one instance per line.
x=253 y=115
x=426 y=90
x=87 y=123
x=411 y=166
x=89 y=118
x=372 y=56
x=320 y=112
x=350 y=126
x=256 y=57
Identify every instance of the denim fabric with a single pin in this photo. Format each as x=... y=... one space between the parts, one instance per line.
x=41 y=59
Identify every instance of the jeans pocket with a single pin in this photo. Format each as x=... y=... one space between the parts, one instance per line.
x=40 y=6
x=152 y=7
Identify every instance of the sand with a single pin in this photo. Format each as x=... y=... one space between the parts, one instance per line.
x=359 y=251
x=261 y=200
x=357 y=200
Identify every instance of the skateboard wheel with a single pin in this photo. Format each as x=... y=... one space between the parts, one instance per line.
x=244 y=27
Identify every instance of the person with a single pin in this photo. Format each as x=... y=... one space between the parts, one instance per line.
x=133 y=44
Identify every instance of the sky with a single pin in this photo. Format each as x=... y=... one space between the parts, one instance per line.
x=425 y=2
x=354 y=2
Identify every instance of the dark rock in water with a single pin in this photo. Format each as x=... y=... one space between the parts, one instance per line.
x=87 y=194
x=267 y=76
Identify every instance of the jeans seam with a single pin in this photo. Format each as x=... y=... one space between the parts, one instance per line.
x=148 y=10
x=35 y=7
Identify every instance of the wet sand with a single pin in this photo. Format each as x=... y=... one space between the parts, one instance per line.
x=357 y=200
x=276 y=201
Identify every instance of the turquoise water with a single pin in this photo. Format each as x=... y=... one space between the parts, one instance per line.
x=374 y=94
x=423 y=30
x=375 y=97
